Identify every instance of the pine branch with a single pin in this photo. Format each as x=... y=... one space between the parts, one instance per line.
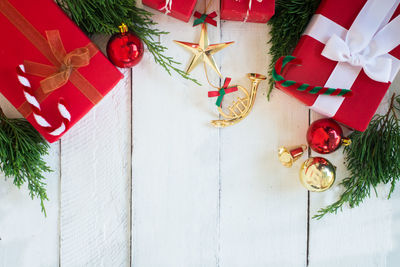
x=104 y=16
x=372 y=159
x=287 y=25
x=21 y=152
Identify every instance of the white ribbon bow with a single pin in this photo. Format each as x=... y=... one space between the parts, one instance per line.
x=369 y=40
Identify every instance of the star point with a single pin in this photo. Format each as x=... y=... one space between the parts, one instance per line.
x=203 y=51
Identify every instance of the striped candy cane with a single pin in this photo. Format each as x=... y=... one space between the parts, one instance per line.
x=303 y=87
x=36 y=110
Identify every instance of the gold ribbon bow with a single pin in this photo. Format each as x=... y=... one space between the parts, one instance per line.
x=57 y=76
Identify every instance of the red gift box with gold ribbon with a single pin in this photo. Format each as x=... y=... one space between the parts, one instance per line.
x=60 y=63
x=351 y=45
x=179 y=9
x=247 y=10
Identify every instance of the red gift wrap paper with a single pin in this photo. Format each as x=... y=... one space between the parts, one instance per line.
x=180 y=9
x=357 y=111
x=236 y=10
x=15 y=48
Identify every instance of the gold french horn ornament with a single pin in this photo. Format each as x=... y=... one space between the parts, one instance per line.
x=240 y=108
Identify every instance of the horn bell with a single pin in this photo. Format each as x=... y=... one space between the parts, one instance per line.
x=241 y=108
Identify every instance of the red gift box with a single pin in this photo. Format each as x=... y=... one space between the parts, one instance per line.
x=247 y=10
x=336 y=17
x=24 y=29
x=180 y=9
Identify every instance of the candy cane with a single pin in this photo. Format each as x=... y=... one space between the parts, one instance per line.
x=303 y=87
x=167 y=6
x=36 y=110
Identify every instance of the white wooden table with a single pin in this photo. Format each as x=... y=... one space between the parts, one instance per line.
x=144 y=180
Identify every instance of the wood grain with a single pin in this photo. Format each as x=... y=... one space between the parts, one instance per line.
x=362 y=236
x=175 y=161
x=27 y=237
x=95 y=184
x=263 y=208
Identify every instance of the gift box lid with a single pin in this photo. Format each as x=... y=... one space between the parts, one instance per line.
x=18 y=47
x=259 y=11
x=179 y=9
x=358 y=110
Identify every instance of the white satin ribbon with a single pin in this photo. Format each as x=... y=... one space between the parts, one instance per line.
x=366 y=44
x=248 y=9
x=167 y=6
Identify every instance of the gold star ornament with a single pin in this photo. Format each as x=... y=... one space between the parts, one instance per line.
x=203 y=51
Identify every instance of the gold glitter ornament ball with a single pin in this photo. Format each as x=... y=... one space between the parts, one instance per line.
x=317 y=174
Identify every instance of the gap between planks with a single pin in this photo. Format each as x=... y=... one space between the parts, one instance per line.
x=308 y=204
x=59 y=203
x=130 y=171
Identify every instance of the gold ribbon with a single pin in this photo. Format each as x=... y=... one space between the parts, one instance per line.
x=58 y=77
x=65 y=65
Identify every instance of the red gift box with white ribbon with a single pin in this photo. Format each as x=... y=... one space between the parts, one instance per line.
x=247 y=10
x=353 y=45
x=179 y=9
x=62 y=74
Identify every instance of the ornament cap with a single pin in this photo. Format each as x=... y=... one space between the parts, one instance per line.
x=123 y=28
x=346 y=141
x=288 y=156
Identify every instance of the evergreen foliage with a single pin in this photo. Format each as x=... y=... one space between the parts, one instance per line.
x=21 y=152
x=372 y=159
x=286 y=27
x=104 y=16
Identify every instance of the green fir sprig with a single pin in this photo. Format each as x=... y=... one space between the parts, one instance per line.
x=104 y=16
x=372 y=159
x=21 y=152
x=286 y=27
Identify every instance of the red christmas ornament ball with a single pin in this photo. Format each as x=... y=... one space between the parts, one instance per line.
x=324 y=136
x=125 y=50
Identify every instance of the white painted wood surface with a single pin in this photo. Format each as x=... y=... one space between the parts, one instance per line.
x=144 y=180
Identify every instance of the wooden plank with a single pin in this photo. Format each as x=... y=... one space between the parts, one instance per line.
x=27 y=238
x=393 y=256
x=363 y=236
x=263 y=206
x=175 y=160
x=95 y=183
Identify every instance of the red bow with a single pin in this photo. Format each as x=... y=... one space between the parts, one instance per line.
x=223 y=91
x=204 y=18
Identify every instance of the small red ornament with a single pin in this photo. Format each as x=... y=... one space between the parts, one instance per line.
x=325 y=136
x=125 y=49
